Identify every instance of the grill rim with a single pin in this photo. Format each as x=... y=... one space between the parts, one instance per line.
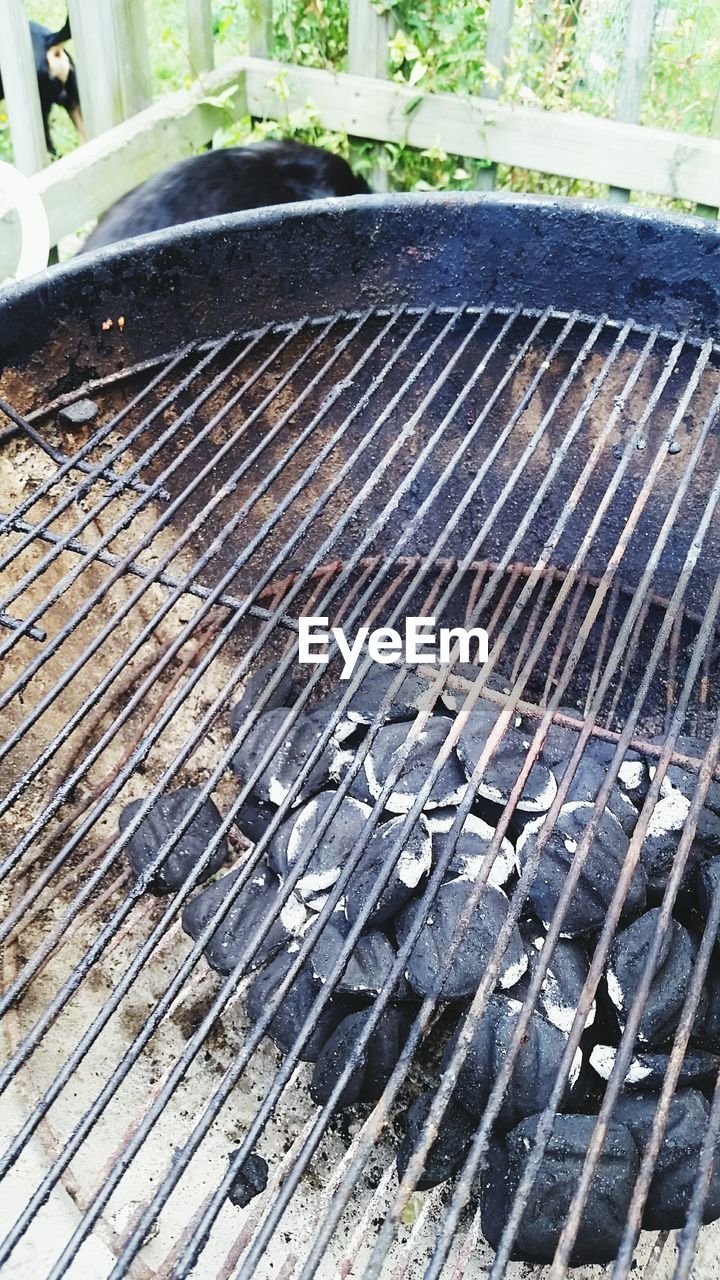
x=428 y=247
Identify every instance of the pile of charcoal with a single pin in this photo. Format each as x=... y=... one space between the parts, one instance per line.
x=451 y=977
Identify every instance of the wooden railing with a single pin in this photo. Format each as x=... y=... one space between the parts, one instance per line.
x=132 y=137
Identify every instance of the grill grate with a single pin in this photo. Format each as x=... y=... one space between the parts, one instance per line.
x=553 y=478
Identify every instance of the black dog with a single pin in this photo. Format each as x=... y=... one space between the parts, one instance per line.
x=225 y=182
x=56 y=77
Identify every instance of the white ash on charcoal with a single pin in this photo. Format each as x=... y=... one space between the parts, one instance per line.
x=471 y=848
x=375 y=1065
x=386 y=751
x=466 y=969
x=585 y=786
x=249 y=1181
x=684 y=780
x=676 y=1167
x=295 y=1007
x=288 y=757
x=503 y=768
x=535 y=1070
x=411 y=866
x=359 y=788
x=598 y=878
x=670 y=980
x=368 y=966
x=259 y=896
x=659 y=849
x=300 y=832
x=447 y=1153
x=564 y=978
x=159 y=824
x=283 y=695
x=605 y=1213
x=633 y=776
x=647 y=1070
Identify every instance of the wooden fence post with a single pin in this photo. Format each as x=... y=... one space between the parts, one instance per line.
x=368 y=35
x=636 y=52
x=200 y=36
x=113 y=64
x=17 y=65
x=497 y=47
x=709 y=210
x=260 y=28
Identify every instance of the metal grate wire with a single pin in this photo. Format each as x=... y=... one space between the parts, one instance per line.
x=438 y=402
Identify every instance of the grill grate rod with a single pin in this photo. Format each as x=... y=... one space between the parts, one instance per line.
x=338 y=1086
x=101 y=434
x=119 y=615
x=359 y=500
x=508 y=489
x=462 y=1188
x=22 y=426
x=464 y=1183
x=511 y=702
x=208 y=788
x=238 y=1157
x=682 y=1036
x=150 y=453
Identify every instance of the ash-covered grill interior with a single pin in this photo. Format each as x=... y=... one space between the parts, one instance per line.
x=306 y=974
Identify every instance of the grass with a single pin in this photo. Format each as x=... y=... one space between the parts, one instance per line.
x=564 y=55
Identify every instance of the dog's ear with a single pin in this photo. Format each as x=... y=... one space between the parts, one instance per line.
x=54 y=38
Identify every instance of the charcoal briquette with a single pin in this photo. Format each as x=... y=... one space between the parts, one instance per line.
x=647 y=1070
x=299 y=834
x=454 y=698
x=159 y=824
x=564 y=979
x=295 y=1007
x=249 y=1181
x=585 y=786
x=359 y=788
x=535 y=1070
x=599 y=876
x=369 y=964
x=256 y=682
x=412 y=864
x=684 y=780
x=372 y=1070
x=670 y=981
x=503 y=768
x=288 y=757
x=254 y=817
x=667 y=822
x=605 y=1213
x=471 y=848
x=258 y=896
x=447 y=1153
x=431 y=949
x=676 y=1168
x=449 y=786
x=364 y=705
x=708 y=881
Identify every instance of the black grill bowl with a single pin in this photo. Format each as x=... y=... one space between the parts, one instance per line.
x=503 y=410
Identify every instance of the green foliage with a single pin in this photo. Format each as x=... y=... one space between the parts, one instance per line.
x=564 y=55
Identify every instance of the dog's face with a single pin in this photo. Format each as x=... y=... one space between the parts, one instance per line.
x=59 y=63
x=61 y=70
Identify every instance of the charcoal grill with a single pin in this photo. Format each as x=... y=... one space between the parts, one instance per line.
x=502 y=413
